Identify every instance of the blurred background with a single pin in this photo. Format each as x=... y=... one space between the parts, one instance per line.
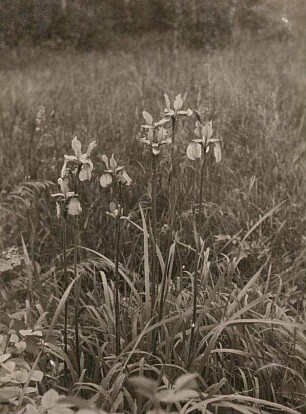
x=99 y=24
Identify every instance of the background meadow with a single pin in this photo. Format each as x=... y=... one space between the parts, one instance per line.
x=250 y=345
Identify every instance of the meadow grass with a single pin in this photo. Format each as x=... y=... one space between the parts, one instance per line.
x=250 y=301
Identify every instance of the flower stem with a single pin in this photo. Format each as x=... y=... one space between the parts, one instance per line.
x=165 y=276
x=66 y=302
x=172 y=203
x=154 y=231
x=172 y=185
x=196 y=273
x=117 y=249
x=77 y=295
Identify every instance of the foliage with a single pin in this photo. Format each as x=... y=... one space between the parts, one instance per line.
x=246 y=253
x=95 y=24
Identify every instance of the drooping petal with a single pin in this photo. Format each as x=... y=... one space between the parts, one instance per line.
x=194 y=151
x=77 y=147
x=63 y=183
x=178 y=103
x=113 y=163
x=106 y=180
x=148 y=117
x=91 y=146
x=167 y=100
x=217 y=152
x=155 y=150
x=125 y=178
x=74 y=206
x=105 y=160
x=85 y=173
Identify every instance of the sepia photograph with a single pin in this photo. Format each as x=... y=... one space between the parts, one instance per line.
x=152 y=206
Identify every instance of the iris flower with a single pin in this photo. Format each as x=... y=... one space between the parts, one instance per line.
x=66 y=201
x=84 y=161
x=156 y=138
x=113 y=172
x=201 y=145
x=177 y=107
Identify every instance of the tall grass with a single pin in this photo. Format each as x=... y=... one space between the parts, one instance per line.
x=249 y=347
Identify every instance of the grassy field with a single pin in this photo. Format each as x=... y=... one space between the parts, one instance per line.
x=247 y=345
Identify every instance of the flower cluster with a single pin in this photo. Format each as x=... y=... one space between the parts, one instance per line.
x=67 y=202
x=155 y=133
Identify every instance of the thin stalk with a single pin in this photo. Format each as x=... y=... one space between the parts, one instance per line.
x=78 y=283
x=165 y=276
x=66 y=302
x=163 y=293
x=196 y=273
x=117 y=250
x=77 y=296
x=172 y=184
x=154 y=231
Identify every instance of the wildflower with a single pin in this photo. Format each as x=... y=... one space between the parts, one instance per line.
x=113 y=172
x=156 y=138
x=203 y=142
x=67 y=202
x=177 y=105
x=85 y=165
